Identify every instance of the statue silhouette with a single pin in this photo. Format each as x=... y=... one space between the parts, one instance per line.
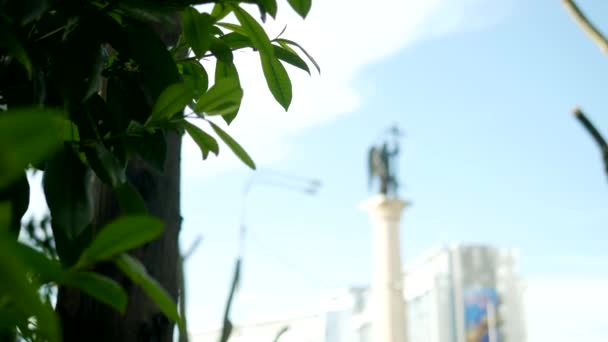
x=382 y=164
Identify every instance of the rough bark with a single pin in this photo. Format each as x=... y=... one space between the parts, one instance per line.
x=83 y=318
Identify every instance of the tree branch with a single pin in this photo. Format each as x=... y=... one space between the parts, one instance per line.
x=586 y=25
x=601 y=142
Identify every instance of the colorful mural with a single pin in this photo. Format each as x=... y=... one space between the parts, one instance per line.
x=480 y=306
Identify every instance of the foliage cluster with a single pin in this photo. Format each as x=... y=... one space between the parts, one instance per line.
x=88 y=86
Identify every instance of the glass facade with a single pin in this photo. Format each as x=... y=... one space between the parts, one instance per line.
x=419 y=318
x=457 y=294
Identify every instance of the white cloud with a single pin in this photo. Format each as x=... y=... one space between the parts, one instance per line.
x=564 y=310
x=344 y=36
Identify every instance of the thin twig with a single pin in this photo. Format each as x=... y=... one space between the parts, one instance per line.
x=601 y=142
x=57 y=30
x=586 y=25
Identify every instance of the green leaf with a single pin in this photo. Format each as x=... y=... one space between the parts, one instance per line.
x=38 y=263
x=106 y=166
x=228 y=70
x=277 y=79
x=140 y=42
x=195 y=77
x=129 y=199
x=22 y=293
x=171 y=101
x=196 y=27
x=77 y=76
x=100 y=287
x=121 y=235
x=220 y=11
x=302 y=7
x=270 y=6
x=223 y=98
x=236 y=40
x=17 y=197
x=204 y=141
x=233 y=145
x=11 y=44
x=134 y=269
x=253 y=30
x=69 y=250
x=5 y=215
x=285 y=42
x=152 y=147
x=288 y=56
x=27 y=135
x=67 y=189
x=225 y=70
x=234 y=27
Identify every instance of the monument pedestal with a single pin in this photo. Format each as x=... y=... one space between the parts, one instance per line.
x=388 y=305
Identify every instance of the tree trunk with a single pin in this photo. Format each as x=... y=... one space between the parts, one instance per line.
x=83 y=318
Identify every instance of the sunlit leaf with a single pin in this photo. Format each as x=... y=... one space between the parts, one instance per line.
x=228 y=70
x=223 y=98
x=270 y=6
x=221 y=50
x=219 y=11
x=121 y=235
x=234 y=27
x=171 y=101
x=196 y=27
x=225 y=70
x=134 y=269
x=283 y=41
x=236 y=40
x=288 y=56
x=233 y=145
x=253 y=30
x=195 y=77
x=302 y=7
x=204 y=141
x=277 y=79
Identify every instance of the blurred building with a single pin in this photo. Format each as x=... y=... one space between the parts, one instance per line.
x=459 y=293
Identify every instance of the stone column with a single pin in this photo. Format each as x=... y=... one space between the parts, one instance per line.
x=388 y=306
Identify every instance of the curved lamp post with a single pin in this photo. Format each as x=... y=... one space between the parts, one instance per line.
x=276 y=179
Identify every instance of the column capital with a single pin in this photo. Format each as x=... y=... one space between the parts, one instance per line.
x=384 y=206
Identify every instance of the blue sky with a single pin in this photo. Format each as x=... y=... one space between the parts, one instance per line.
x=484 y=90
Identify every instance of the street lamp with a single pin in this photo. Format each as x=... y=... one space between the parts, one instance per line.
x=267 y=178
x=277 y=179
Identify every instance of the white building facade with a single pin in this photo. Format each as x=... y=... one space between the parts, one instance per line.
x=459 y=293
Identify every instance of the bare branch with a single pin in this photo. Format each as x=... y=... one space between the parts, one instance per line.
x=601 y=142
x=586 y=25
